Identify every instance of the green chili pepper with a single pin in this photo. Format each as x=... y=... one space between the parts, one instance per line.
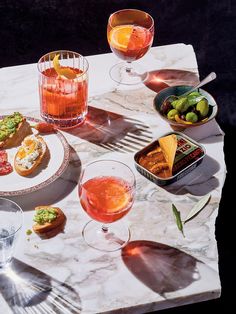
x=178 y=219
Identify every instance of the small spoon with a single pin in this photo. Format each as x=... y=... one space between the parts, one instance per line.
x=210 y=77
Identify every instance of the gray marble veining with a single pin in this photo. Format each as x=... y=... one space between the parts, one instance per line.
x=159 y=268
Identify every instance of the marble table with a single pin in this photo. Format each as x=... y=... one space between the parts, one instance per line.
x=164 y=269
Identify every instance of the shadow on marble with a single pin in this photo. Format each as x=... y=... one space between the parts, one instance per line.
x=55 y=191
x=200 y=181
x=160 y=79
x=28 y=290
x=213 y=139
x=113 y=131
x=160 y=267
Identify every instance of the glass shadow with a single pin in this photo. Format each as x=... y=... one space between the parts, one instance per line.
x=28 y=290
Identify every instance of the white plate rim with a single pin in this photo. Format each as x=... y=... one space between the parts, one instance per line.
x=55 y=176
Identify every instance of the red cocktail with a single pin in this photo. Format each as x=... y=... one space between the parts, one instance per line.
x=130 y=35
x=106 y=193
x=130 y=42
x=63 y=88
x=106 y=199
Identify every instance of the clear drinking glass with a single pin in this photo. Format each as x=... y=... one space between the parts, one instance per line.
x=63 y=88
x=11 y=220
x=106 y=191
x=130 y=35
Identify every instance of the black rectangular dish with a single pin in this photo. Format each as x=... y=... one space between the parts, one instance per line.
x=189 y=154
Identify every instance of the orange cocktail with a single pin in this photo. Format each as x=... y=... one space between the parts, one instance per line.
x=63 y=88
x=130 y=34
x=130 y=42
x=106 y=199
x=106 y=191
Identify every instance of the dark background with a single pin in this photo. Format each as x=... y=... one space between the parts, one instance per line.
x=31 y=28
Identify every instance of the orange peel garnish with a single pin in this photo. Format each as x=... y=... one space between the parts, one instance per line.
x=63 y=71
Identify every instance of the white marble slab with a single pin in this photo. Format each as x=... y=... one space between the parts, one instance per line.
x=159 y=268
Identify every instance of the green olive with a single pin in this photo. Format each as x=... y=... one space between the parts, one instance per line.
x=203 y=107
x=171 y=114
x=191 y=117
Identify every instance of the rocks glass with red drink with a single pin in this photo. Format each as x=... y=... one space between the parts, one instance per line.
x=63 y=88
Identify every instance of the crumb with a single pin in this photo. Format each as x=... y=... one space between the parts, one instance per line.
x=36 y=246
x=29 y=232
x=28 y=239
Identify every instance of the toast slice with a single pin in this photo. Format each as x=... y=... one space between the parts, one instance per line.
x=30 y=155
x=49 y=221
x=13 y=129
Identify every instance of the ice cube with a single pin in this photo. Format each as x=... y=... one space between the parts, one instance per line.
x=4 y=233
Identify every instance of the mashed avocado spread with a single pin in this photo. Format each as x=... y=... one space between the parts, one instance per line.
x=9 y=125
x=43 y=216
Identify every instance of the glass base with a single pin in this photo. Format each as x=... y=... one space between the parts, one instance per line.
x=64 y=124
x=5 y=266
x=106 y=238
x=128 y=74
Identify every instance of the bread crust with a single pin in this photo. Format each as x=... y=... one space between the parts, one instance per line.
x=16 y=138
x=50 y=229
x=24 y=171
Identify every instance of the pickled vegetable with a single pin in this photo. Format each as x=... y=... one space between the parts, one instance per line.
x=203 y=107
x=171 y=114
x=191 y=117
x=188 y=109
x=166 y=107
x=181 y=104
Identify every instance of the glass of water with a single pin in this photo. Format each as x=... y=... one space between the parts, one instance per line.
x=11 y=221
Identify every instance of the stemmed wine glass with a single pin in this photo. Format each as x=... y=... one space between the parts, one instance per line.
x=130 y=35
x=106 y=191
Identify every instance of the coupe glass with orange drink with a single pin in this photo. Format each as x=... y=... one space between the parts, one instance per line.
x=106 y=191
x=130 y=35
x=63 y=88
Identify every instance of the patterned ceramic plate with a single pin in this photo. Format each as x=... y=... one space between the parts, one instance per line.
x=14 y=184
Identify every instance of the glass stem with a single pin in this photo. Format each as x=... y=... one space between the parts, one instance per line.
x=104 y=228
x=128 y=67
